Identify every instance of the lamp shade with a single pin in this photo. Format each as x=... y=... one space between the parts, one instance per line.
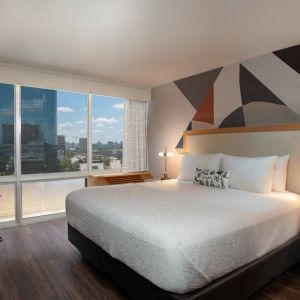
x=166 y=154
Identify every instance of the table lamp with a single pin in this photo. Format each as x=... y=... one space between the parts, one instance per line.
x=165 y=154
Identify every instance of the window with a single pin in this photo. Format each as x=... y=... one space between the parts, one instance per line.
x=40 y=198
x=6 y=129
x=53 y=131
x=53 y=139
x=7 y=202
x=107 y=133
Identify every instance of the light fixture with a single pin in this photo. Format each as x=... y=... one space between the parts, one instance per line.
x=165 y=154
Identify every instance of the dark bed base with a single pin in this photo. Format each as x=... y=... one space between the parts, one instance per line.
x=236 y=285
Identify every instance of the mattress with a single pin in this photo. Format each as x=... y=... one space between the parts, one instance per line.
x=182 y=236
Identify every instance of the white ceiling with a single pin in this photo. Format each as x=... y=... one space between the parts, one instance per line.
x=142 y=43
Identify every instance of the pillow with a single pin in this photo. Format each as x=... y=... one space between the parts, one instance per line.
x=253 y=174
x=280 y=173
x=190 y=161
x=218 y=179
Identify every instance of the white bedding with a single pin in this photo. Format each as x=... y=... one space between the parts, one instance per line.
x=182 y=236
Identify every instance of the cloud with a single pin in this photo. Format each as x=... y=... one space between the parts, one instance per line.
x=65 y=109
x=65 y=125
x=65 y=132
x=105 y=121
x=119 y=106
x=97 y=131
x=84 y=108
x=80 y=122
x=82 y=132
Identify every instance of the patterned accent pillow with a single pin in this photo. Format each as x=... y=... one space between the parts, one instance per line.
x=217 y=179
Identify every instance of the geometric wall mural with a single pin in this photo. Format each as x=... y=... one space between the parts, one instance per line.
x=260 y=91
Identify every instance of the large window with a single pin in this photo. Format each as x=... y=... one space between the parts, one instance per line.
x=6 y=129
x=46 y=150
x=53 y=131
x=108 y=118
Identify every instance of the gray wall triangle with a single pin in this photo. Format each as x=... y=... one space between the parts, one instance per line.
x=253 y=90
x=196 y=87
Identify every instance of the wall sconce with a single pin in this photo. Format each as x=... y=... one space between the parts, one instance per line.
x=165 y=154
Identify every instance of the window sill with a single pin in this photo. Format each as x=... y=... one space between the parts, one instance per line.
x=53 y=176
x=8 y=179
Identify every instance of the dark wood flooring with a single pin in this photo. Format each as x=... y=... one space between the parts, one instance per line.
x=38 y=262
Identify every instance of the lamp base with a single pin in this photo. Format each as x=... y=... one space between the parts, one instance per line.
x=165 y=177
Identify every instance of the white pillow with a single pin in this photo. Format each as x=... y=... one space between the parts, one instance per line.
x=190 y=162
x=253 y=174
x=280 y=173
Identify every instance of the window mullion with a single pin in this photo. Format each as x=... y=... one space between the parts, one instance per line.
x=18 y=197
x=89 y=134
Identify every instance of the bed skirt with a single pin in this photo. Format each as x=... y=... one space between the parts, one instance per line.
x=236 y=285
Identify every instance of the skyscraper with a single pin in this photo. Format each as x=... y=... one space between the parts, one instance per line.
x=61 y=146
x=39 y=107
x=83 y=143
x=61 y=143
x=6 y=129
x=6 y=108
x=39 y=130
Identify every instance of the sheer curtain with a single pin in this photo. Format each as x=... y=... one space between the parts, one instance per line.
x=135 y=152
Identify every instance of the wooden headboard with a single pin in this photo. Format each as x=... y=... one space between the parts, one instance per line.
x=251 y=141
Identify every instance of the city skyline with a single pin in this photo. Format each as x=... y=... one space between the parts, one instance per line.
x=51 y=120
x=72 y=117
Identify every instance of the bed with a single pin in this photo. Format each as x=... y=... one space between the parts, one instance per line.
x=175 y=240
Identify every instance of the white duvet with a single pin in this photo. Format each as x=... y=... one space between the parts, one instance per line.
x=182 y=236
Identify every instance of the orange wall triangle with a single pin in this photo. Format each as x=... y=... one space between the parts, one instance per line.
x=205 y=112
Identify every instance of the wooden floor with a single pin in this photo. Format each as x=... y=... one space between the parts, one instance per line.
x=38 y=262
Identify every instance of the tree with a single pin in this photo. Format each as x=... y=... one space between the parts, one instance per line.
x=106 y=162
x=9 y=168
x=67 y=165
x=3 y=163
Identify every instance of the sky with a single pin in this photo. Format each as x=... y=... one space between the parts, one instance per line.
x=72 y=117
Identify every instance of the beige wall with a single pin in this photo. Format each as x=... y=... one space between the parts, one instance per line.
x=169 y=113
x=52 y=80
